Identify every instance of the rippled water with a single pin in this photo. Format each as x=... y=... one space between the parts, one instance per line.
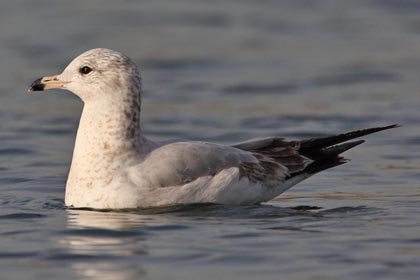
x=220 y=71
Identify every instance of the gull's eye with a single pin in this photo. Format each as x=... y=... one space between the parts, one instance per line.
x=85 y=70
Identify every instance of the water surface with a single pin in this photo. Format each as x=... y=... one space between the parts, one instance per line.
x=225 y=72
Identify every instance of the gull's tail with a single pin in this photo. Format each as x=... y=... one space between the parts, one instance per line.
x=325 y=151
x=307 y=157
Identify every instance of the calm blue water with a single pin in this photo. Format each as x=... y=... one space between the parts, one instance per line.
x=221 y=71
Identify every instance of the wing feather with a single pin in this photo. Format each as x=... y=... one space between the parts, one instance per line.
x=180 y=163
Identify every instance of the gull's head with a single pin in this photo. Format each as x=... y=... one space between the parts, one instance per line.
x=95 y=74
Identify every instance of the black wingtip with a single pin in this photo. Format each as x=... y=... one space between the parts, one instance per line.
x=327 y=163
x=390 y=126
x=325 y=152
x=323 y=142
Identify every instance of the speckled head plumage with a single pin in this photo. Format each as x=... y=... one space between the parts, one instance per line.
x=96 y=74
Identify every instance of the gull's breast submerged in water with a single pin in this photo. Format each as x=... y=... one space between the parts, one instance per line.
x=115 y=166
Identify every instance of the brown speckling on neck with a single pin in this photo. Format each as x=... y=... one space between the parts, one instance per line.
x=109 y=129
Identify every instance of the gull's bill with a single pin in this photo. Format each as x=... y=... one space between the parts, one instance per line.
x=47 y=82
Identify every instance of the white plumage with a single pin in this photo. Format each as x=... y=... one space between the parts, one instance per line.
x=115 y=166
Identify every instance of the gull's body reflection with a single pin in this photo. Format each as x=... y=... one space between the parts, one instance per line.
x=109 y=245
x=128 y=245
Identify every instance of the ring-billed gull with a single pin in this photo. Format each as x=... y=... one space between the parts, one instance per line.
x=115 y=166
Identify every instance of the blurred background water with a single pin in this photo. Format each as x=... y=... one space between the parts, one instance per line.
x=221 y=71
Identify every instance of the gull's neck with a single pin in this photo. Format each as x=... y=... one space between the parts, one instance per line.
x=108 y=139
